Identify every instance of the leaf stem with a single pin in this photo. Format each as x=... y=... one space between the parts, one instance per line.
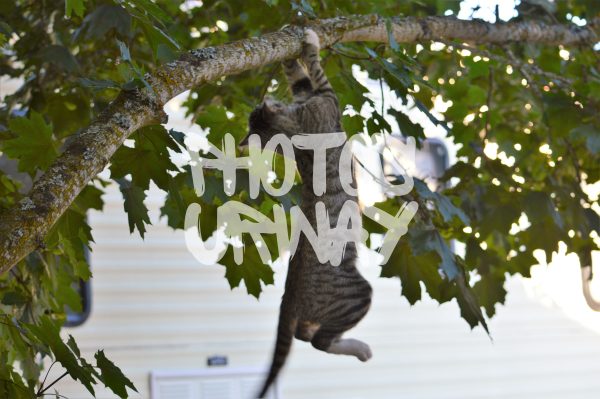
x=41 y=393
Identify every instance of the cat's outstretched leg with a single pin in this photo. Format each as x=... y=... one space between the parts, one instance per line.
x=310 y=57
x=329 y=341
x=351 y=346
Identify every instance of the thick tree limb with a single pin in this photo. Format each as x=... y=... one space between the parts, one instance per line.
x=23 y=228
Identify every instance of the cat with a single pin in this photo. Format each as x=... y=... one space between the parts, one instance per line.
x=320 y=301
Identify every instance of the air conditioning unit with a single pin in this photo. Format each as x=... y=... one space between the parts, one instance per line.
x=209 y=383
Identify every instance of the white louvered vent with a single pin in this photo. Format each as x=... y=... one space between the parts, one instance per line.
x=212 y=383
x=176 y=390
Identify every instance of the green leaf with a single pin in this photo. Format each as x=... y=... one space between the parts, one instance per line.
x=349 y=91
x=152 y=9
x=561 y=113
x=178 y=136
x=73 y=345
x=112 y=377
x=66 y=295
x=522 y=264
x=89 y=198
x=353 y=124
x=252 y=271
x=490 y=291
x=215 y=116
x=76 y=6
x=72 y=234
x=484 y=261
x=443 y=5
x=103 y=20
x=47 y=331
x=423 y=240
x=11 y=383
x=304 y=7
x=148 y=160
x=407 y=127
x=59 y=56
x=157 y=37
x=461 y=170
x=33 y=146
x=539 y=205
x=377 y=124
x=469 y=306
x=444 y=206
x=15 y=298
x=476 y=96
x=476 y=69
x=412 y=270
x=589 y=134
x=398 y=73
x=499 y=218
x=181 y=195
x=429 y=115
x=137 y=213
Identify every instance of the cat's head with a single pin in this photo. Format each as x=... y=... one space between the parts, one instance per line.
x=270 y=118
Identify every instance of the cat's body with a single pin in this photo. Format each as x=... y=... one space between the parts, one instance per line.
x=321 y=301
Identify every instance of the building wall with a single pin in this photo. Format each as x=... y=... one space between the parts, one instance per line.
x=154 y=308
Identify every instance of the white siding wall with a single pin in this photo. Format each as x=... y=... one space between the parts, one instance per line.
x=154 y=307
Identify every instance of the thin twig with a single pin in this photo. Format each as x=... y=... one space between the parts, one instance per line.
x=386 y=134
x=488 y=103
x=44 y=382
x=19 y=279
x=512 y=60
x=46 y=266
x=381 y=92
x=574 y=161
x=353 y=57
x=383 y=183
x=41 y=393
x=524 y=71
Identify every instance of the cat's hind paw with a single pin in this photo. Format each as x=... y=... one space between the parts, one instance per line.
x=364 y=353
x=310 y=37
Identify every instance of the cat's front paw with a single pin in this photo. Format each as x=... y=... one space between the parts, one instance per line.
x=310 y=37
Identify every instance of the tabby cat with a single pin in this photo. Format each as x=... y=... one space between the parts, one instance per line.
x=321 y=301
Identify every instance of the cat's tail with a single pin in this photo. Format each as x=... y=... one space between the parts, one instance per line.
x=285 y=335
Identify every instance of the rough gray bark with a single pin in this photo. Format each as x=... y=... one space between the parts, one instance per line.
x=23 y=228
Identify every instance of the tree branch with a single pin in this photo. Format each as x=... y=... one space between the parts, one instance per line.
x=23 y=228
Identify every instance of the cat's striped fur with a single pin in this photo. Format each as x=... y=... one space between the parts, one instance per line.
x=321 y=301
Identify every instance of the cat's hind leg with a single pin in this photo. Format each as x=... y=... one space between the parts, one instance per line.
x=351 y=346
x=305 y=330
x=330 y=341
